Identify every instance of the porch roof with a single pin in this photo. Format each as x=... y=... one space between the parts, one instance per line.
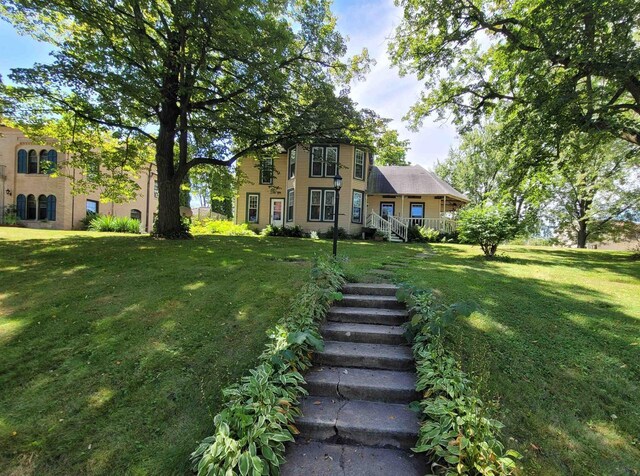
x=409 y=180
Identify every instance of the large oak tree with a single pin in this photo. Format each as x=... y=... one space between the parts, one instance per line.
x=204 y=81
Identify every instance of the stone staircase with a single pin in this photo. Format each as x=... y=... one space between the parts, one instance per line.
x=356 y=419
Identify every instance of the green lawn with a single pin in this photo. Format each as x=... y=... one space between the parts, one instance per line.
x=113 y=349
x=557 y=349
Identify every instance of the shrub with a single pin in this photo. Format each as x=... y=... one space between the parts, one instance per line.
x=342 y=234
x=456 y=431
x=487 y=226
x=114 y=224
x=422 y=235
x=258 y=415
x=10 y=215
x=207 y=226
x=293 y=232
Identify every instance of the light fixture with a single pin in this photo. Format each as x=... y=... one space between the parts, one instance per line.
x=8 y=192
x=337 y=182
x=337 y=185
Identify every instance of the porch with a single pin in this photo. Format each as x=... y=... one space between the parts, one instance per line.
x=397 y=228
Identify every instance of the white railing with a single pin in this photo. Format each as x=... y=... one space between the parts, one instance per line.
x=390 y=225
x=399 y=228
x=445 y=225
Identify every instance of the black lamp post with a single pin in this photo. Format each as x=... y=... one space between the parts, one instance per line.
x=337 y=185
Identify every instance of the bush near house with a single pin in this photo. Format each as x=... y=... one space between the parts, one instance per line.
x=487 y=226
x=207 y=226
x=110 y=223
x=291 y=232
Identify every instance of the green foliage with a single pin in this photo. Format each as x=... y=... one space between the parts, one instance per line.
x=342 y=234
x=487 y=226
x=292 y=231
x=456 y=430
x=545 y=68
x=390 y=149
x=10 y=215
x=208 y=226
x=258 y=416
x=114 y=224
x=421 y=234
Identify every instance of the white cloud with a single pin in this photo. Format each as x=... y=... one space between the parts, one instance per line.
x=370 y=25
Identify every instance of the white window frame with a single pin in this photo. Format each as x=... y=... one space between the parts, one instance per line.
x=355 y=164
x=264 y=164
x=257 y=207
x=353 y=207
x=321 y=149
x=327 y=163
x=320 y=204
x=290 y=204
x=324 y=205
x=292 y=161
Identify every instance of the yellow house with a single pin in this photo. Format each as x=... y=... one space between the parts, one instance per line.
x=43 y=201
x=297 y=188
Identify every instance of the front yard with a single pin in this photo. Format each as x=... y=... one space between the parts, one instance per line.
x=114 y=349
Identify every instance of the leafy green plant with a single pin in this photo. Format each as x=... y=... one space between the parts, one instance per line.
x=342 y=234
x=10 y=215
x=207 y=226
x=293 y=232
x=456 y=430
x=258 y=416
x=110 y=223
x=487 y=226
x=423 y=235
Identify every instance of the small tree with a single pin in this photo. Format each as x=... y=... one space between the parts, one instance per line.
x=487 y=226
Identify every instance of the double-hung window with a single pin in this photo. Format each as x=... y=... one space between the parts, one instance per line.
x=290 y=198
x=356 y=208
x=331 y=161
x=358 y=166
x=317 y=159
x=329 y=206
x=266 y=172
x=253 y=204
x=292 y=163
x=315 y=205
x=324 y=161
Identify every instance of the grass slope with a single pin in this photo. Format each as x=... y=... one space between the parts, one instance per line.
x=114 y=349
x=557 y=348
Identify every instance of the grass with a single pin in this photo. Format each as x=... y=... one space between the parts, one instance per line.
x=557 y=349
x=114 y=349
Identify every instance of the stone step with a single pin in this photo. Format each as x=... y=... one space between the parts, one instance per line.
x=314 y=458
x=367 y=333
x=370 y=289
x=362 y=384
x=370 y=356
x=377 y=302
x=357 y=421
x=363 y=315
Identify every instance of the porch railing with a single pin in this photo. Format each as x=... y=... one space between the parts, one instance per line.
x=445 y=225
x=399 y=228
x=389 y=225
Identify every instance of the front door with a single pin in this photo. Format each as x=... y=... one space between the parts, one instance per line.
x=386 y=209
x=277 y=211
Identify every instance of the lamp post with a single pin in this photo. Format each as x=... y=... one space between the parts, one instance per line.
x=337 y=185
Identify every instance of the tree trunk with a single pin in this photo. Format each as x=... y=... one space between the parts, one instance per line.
x=582 y=234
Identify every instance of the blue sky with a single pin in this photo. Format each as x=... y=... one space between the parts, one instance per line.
x=368 y=24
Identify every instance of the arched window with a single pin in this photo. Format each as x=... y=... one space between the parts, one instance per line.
x=53 y=160
x=21 y=207
x=44 y=158
x=22 y=161
x=42 y=207
x=51 y=208
x=136 y=214
x=33 y=162
x=32 y=210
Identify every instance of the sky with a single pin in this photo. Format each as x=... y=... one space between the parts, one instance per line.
x=367 y=24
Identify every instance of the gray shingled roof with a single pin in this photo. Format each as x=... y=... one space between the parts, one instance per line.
x=409 y=180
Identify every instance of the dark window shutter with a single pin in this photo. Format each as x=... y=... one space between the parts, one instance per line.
x=21 y=207
x=22 y=161
x=51 y=208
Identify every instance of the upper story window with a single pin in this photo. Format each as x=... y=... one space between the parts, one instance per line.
x=33 y=162
x=324 y=161
x=266 y=171
x=358 y=166
x=22 y=161
x=292 y=163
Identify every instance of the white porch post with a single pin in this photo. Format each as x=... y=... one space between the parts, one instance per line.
x=402 y=206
